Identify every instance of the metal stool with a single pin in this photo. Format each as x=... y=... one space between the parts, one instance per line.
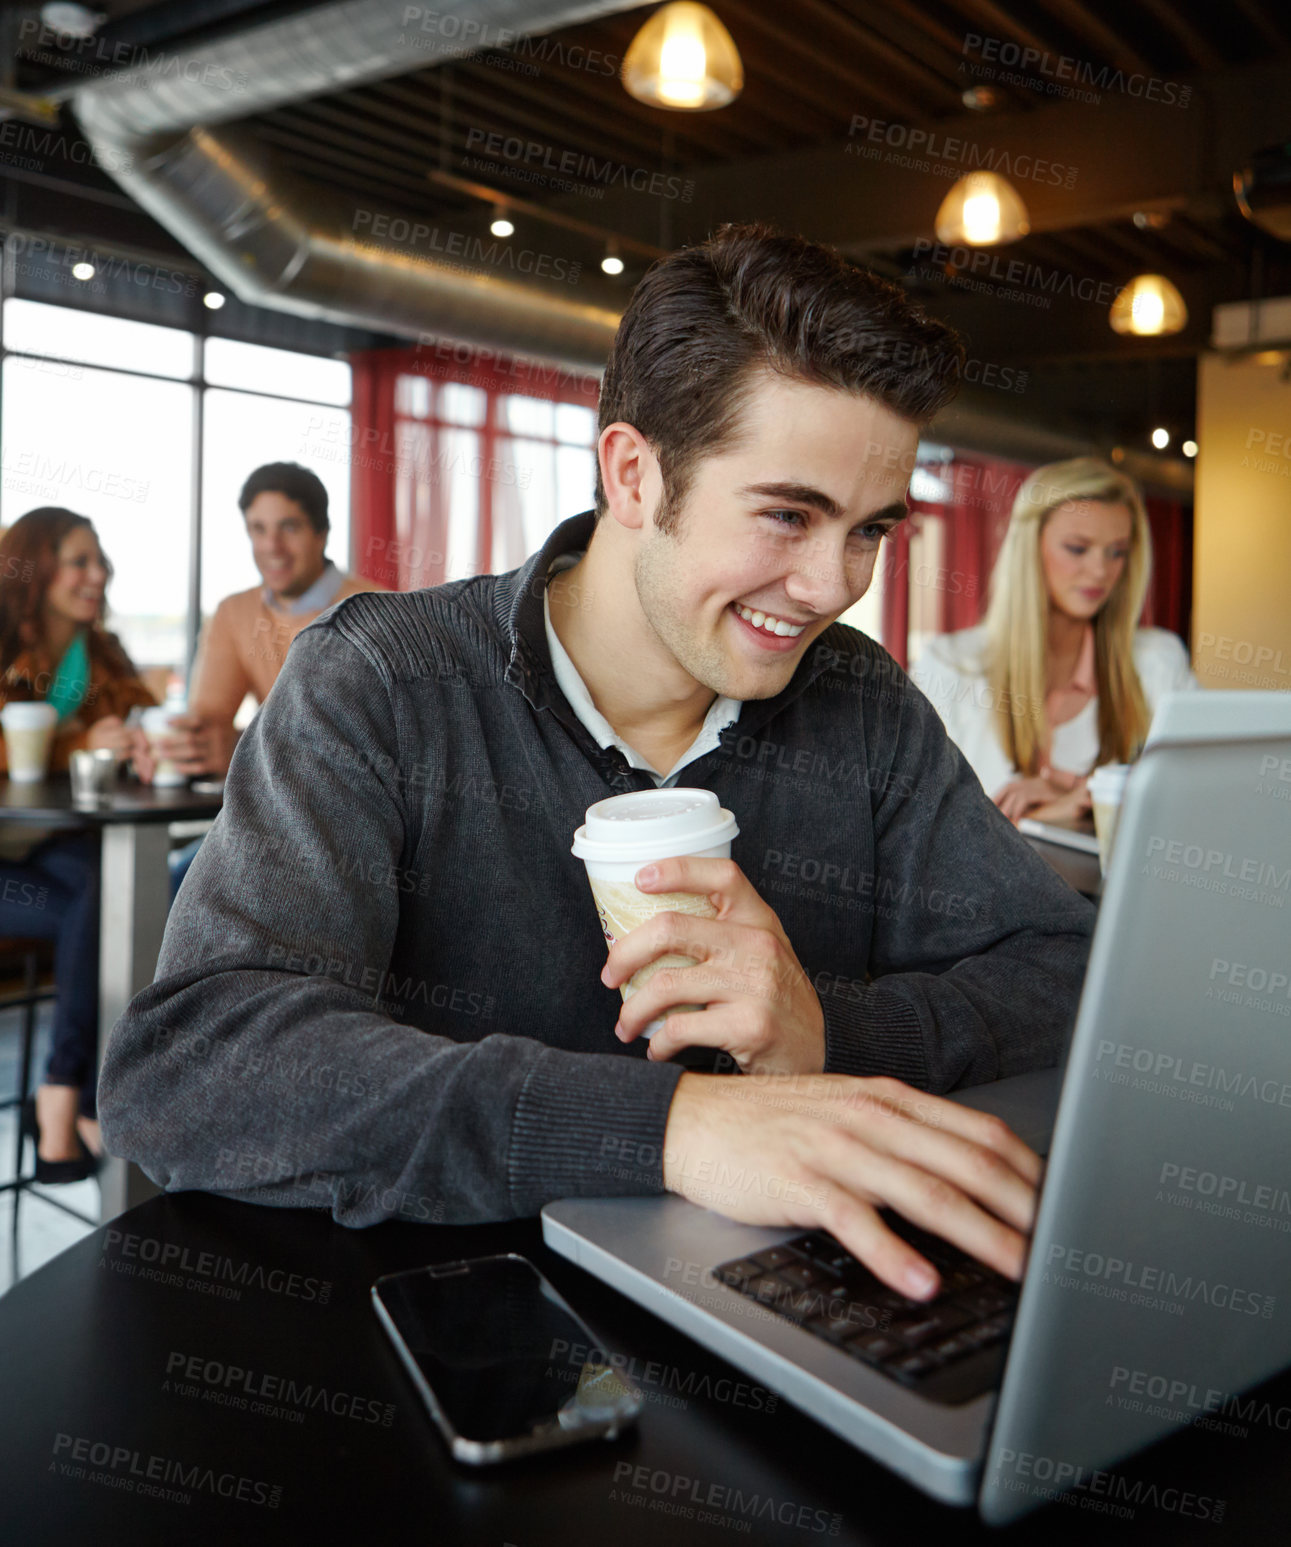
x=29 y=954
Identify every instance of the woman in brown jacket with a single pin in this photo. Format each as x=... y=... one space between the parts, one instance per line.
x=54 y=648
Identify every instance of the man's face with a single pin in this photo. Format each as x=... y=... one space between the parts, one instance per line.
x=787 y=523
x=287 y=550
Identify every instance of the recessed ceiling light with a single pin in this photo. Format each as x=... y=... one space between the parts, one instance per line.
x=1189 y=448
x=1160 y=438
x=213 y=300
x=82 y=271
x=981 y=99
x=502 y=227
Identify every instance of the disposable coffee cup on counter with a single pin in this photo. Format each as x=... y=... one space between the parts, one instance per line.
x=156 y=724
x=1107 y=791
x=28 y=736
x=627 y=832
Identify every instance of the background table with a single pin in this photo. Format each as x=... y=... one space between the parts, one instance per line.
x=134 y=899
x=89 y=1342
x=1076 y=868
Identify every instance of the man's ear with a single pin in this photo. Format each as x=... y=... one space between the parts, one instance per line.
x=630 y=475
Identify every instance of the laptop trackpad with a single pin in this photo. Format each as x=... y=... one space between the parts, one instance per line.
x=1026 y=1102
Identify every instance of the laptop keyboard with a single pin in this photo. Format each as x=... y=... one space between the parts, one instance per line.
x=949 y=1349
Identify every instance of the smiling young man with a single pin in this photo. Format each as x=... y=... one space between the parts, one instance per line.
x=284 y=507
x=385 y=990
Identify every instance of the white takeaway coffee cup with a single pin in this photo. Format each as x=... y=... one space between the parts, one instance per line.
x=1106 y=792
x=28 y=735
x=625 y=832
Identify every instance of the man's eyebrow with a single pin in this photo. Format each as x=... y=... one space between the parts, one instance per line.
x=806 y=494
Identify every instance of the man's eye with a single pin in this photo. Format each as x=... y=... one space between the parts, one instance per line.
x=786 y=518
x=875 y=532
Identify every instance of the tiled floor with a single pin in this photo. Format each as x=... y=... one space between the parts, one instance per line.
x=43 y=1231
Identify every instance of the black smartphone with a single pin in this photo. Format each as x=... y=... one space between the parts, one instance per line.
x=503 y=1365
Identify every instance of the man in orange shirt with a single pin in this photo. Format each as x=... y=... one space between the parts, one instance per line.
x=245 y=643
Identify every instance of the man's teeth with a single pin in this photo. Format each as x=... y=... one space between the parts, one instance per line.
x=768 y=624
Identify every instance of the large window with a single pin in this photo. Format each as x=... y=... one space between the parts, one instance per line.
x=110 y=418
x=481 y=477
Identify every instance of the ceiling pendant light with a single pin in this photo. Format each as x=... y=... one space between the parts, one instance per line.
x=983 y=209
x=683 y=58
x=1148 y=306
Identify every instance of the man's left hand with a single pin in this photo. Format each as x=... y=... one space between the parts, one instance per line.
x=760 y=1005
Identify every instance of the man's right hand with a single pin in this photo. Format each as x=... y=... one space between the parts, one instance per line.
x=827 y=1151
x=199 y=744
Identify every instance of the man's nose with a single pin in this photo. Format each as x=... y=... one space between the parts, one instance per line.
x=821 y=579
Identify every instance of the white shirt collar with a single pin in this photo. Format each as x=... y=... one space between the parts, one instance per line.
x=722 y=712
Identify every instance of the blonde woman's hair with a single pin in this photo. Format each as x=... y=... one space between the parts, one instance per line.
x=1017 y=618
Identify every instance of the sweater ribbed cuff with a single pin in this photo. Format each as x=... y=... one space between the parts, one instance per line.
x=879 y=1033
x=587 y=1126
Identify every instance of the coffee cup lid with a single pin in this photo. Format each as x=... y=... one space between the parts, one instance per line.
x=1108 y=782
x=654 y=824
x=28 y=714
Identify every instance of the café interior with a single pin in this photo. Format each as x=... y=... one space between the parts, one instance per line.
x=391 y=242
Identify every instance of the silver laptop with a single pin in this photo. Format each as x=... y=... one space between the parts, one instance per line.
x=1157 y=1287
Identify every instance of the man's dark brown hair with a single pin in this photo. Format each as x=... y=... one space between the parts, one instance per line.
x=705 y=320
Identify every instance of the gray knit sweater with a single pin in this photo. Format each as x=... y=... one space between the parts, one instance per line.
x=379 y=990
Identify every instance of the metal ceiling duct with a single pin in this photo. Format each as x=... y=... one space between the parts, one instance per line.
x=273 y=244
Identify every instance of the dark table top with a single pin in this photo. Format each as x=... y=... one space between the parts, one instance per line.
x=1076 y=868
x=48 y=803
x=90 y=1346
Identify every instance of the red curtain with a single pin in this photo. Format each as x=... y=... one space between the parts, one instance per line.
x=1169 y=599
x=974 y=515
x=399 y=510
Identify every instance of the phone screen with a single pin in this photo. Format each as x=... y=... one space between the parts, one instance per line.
x=501 y=1351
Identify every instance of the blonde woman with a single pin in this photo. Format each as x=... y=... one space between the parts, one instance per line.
x=1058 y=679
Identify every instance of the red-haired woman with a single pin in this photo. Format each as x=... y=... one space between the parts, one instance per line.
x=54 y=648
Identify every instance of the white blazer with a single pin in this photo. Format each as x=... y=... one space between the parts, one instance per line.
x=950 y=673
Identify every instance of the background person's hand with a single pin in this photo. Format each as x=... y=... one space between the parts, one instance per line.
x=761 y=1006
x=112 y=734
x=828 y=1151
x=1075 y=803
x=197 y=745
x=1017 y=798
